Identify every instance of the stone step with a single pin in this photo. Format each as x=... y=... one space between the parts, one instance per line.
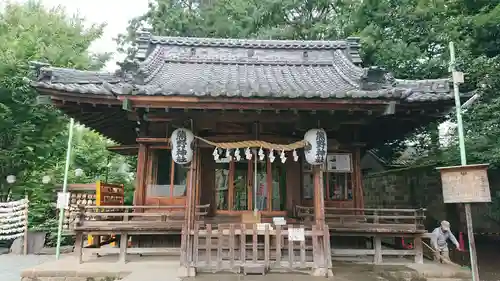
x=152 y=275
x=447 y=279
x=440 y=271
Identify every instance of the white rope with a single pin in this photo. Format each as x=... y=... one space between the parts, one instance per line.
x=13 y=219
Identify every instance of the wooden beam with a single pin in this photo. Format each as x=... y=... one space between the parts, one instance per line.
x=253 y=103
x=219 y=116
x=152 y=140
x=81 y=98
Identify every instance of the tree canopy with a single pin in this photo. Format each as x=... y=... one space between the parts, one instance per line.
x=33 y=137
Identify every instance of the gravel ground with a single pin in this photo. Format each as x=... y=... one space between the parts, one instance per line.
x=12 y=265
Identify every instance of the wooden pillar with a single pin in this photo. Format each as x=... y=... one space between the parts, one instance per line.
x=250 y=176
x=269 y=183
x=321 y=252
x=190 y=215
x=419 y=250
x=377 y=245
x=140 y=185
x=319 y=200
x=230 y=193
x=358 y=195
x=191 y=191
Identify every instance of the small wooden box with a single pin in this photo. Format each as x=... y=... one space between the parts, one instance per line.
x=250 y=218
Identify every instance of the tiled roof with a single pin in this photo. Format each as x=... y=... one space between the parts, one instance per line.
x=244 y=68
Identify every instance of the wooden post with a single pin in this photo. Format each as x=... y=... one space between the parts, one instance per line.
x=79 y=246
x=230 y=195
x=419 y=250
x=25 y=243
x=123 y=248
x=319 y=201
x=269 y=183
x=142 y=159
x=319 y=251
x=378 y=250
x=190 y=213
x=123 y=245
x=359 y=202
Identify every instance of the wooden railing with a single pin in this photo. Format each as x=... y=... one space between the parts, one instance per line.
x=255 y=248
x=134 y=220
x=371 y=227
x=368 y=220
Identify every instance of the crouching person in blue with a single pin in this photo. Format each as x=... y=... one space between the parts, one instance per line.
x=439 y=242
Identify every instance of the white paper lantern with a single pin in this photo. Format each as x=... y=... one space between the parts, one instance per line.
x=182 y=146
x=11 y=179
x=46 y=179
x=78 y=172
x=316 y=148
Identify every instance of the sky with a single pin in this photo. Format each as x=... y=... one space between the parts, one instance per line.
x=116 y=13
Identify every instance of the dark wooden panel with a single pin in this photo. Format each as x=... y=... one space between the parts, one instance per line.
x=207 y=187
x=293 y=184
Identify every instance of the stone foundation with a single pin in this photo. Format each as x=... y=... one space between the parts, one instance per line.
x=70 y=278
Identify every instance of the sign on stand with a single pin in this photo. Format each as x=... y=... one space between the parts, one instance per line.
x=279 y=221
x=63 y=200
x=465 y=184
x=296 y=234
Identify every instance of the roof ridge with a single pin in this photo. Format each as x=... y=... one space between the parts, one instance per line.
x=147 y=37
x=247 y=42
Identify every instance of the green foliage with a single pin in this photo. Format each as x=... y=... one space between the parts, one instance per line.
x=33 y=138
x=29 y=32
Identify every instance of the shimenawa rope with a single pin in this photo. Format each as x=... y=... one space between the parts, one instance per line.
x=255 y=143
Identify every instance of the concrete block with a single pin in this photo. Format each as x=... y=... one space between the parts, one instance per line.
x=186 y=272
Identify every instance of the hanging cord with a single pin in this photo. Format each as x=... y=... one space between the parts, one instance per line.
x=255 y=143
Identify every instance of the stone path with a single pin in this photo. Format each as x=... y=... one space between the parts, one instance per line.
x=11 y=266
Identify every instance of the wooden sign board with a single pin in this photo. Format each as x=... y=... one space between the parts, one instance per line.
x=296 y=234
x=465 y=184
x=339 y=162
x=279 y=221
